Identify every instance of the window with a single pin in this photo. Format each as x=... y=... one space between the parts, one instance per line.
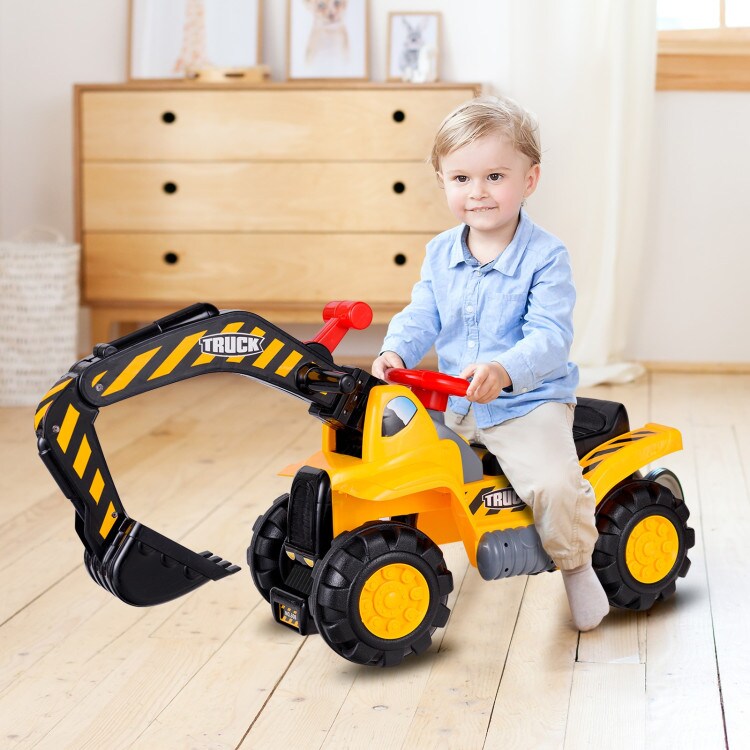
x=397 y=414
x=703 y=45
x=702 y=14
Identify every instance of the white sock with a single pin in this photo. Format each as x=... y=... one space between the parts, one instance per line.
x=588 y=602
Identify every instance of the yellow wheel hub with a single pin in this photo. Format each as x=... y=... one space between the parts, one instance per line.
x=652 y=549
x=394 y=601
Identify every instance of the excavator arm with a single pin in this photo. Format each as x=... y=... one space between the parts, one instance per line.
x=129 y=559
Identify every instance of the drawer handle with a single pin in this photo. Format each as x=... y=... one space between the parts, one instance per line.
x=399 y=115
x=169 y=117
x=399 y=259
x=399 y=187
x=170 y=187
x=171 y=258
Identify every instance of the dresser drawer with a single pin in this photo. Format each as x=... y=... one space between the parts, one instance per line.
x=251 y=267
x=288 y=124
x=263 y=197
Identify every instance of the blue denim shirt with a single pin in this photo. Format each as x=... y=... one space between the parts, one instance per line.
x=516 y=310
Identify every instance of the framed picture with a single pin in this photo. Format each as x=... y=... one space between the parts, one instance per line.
x=174 y=38
x=413 y=47
x=327 y=39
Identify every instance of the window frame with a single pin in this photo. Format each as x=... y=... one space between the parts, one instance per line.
x=715 y=59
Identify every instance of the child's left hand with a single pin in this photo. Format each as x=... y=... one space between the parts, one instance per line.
x=487 y=381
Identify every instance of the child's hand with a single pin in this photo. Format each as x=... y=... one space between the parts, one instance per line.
x=487 y=381
x=386 y=361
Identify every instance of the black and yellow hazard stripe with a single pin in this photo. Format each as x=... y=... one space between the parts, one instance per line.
x=478 y=509
x=130 y=371
x=623 y=456
x=47 y=400
x=77 y=450
x=477 y=506
x=74 y=440
x=593 y=459
x=278 y=358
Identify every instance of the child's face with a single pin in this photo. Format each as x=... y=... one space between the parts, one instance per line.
x=485 y=183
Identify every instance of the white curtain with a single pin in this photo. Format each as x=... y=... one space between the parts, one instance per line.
x=586 y=68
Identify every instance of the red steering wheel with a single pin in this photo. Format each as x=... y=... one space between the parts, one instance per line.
x=431 y=388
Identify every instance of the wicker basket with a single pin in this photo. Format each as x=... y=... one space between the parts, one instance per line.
x=38 y=314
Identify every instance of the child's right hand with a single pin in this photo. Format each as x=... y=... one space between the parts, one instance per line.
x=386 y=361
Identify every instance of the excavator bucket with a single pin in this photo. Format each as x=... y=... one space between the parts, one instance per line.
x=144 y=568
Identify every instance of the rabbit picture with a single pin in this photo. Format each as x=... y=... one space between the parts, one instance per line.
x=412 y=44
x=417 y=58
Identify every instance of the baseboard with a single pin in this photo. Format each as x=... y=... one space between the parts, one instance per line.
x=714 y=368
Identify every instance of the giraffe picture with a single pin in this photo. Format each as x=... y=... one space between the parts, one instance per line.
x=177 y=38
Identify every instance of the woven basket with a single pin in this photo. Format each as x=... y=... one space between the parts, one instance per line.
x=38 y=314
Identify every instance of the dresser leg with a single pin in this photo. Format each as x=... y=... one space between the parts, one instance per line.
x=104 y=326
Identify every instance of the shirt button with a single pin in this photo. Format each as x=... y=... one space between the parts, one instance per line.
x=472 y=344
x=469 y=308
x=524 y=390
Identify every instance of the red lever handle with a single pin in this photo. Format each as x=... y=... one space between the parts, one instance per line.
x=431 y=388
x=340 y=317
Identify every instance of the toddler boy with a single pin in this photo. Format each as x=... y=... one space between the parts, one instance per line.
x=496 y=298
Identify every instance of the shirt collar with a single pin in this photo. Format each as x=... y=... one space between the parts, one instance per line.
x=508 y=260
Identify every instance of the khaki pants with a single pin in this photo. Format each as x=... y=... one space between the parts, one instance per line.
x=538 y=456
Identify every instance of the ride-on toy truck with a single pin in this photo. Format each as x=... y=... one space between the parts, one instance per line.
x=352 y=550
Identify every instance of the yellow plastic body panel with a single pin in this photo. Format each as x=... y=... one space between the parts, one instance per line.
x=414 y=471
x=622 y=456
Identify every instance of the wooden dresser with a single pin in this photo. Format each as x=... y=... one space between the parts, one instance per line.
x=275 y=198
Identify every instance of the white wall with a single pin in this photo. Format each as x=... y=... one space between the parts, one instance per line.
x=694 y=300
x=46 y=47
x=696 y=274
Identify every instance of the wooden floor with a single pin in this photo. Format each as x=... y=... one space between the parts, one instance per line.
x=197 y=461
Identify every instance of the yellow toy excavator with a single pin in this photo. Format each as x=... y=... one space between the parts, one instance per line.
x=352 y=550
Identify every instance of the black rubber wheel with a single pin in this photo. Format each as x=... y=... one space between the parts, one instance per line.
x=265 y=556
x=643 y=543
x=668 y=479
x=380 y=592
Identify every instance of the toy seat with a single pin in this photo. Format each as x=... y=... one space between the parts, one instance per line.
x=595 y=421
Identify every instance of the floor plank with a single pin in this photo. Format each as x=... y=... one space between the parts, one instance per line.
x=374 y=706
x=381 y=706
x=459 y=698
x=531 y=707
x=620 y=642
x=607 y=707
x=726 y=521
x=681 y=647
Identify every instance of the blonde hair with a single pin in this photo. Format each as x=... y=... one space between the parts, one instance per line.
x=487 y=115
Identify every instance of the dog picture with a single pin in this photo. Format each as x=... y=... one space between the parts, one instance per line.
x=329 y=35
x=327 y=39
